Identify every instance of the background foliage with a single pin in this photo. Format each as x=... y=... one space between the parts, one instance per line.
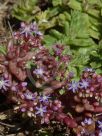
x=74 y=23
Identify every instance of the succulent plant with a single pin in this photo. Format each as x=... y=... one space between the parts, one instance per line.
x=38 y=82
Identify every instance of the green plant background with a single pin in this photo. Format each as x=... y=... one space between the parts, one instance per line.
x=74 y=23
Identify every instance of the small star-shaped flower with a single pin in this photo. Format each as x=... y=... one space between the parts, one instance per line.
x=4 y=84
x=100 y=124
x=73 y=86
x=29 y=96
x=100 y=133
x=41 y=110
x=84 y=84
x=88 y=69
x=39 y=71
x=87 y=122
x=25 y=29
x=29 y=30
x=44 y=98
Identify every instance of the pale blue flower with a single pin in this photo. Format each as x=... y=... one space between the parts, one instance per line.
x=86 y=132
x=88 y=69
x=84 y=84
x=26 y=30
x=87 y=121
x=24 y=84
x=41 y=110
x=39 y=71
x=73 y=86
x=100 y=124
x=4 y=84
x=29 y=29
x=38 y=33
x=44 y=98
x=100 y=133
x=29 y=96
x=34 y=26
x=23 y=109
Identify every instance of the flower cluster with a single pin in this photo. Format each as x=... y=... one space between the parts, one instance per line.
x=85 y=97
x=27 y=30
x=38 y=82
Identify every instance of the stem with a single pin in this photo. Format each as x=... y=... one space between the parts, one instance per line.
x=8 y=125
x=10 y=29
x=98 y=114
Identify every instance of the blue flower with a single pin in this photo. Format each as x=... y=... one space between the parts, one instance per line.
x=23 y=109
x=34 y=26
x=38 y=33
x=87 y=121
x=24 y=84
x=100 y=124
x=4 y=84
x=100 y=133
x=84 y=84
x=44 y=98
x=41 y=110
x=29 y=96
x=29 y=29
x=73 y=86
x=39 y=71
x=26 y=29
x=88 y=69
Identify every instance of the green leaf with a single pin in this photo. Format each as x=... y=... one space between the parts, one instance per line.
x=62 y=92
x=49 y=40
x=55 y=33
x=66 y=28
x=2 y=49
x=54 y=12
x=98 y=2
x=82 y=42
x=56 y=2
x=67 y=16
x=79 y=25
x=61 y=19
x=99 y=71
x=29 y=64
x=74 y=4
x=95 y=65
x=94 y=34
x=94 y=54
x=93 y=12
x=24 y=10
